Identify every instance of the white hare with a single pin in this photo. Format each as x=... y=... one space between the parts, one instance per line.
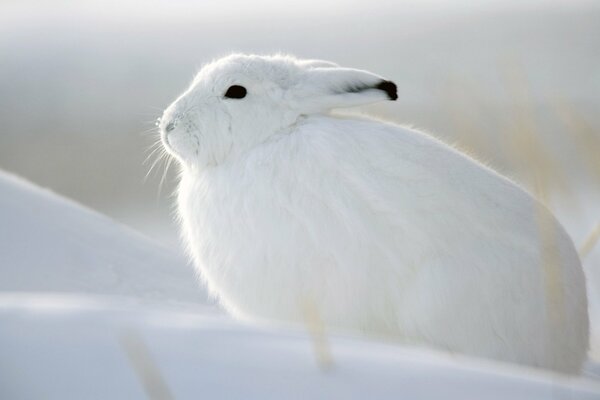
x=383 y=229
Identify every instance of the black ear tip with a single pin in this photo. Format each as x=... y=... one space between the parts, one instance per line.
x=390 y=88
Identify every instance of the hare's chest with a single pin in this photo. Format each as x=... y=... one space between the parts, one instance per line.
x=244 y=240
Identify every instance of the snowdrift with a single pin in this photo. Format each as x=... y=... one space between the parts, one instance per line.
x=48 y=243
x=91 y=309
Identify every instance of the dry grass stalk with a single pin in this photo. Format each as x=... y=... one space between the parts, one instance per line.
x=586 y=140
x=460 y=100
x=590 y=242
x=316 y=329
x=144 y=366
x=545 y=175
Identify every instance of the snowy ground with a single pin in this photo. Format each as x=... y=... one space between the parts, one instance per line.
x=90 y=309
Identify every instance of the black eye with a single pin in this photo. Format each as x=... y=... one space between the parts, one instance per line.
x=235 y=92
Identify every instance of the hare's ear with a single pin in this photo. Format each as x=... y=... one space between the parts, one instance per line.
x=324 y=88
x=317 y=64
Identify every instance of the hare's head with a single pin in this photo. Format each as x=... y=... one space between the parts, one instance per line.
x=239 y=101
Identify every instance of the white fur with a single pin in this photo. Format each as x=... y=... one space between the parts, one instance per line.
x=385 y=230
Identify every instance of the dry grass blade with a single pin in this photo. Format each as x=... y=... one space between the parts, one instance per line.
x=545 y=175
x=590 y=242
x=528 y=146
x=555 y=296
x=584 y=136
x=142 y=363
x=316 y=328
x=464 y=111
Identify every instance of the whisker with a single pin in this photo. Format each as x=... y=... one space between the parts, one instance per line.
x=152 y=153
x=155 y=163
x=150 y=131
x=164 y=175
x=154 y=145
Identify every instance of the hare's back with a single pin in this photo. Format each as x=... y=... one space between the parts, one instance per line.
x=486 y=245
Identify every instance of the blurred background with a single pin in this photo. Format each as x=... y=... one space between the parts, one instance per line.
x=514 y=83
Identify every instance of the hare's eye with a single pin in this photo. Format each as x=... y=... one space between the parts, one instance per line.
x=236 y=92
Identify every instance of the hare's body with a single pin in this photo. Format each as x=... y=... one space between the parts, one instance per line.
x=389 y=232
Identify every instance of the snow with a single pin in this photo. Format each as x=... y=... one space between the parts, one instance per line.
x=48 y=243
x=91 y=309
x=210 y=355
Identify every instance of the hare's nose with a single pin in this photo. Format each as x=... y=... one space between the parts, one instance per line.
x=170 y=126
